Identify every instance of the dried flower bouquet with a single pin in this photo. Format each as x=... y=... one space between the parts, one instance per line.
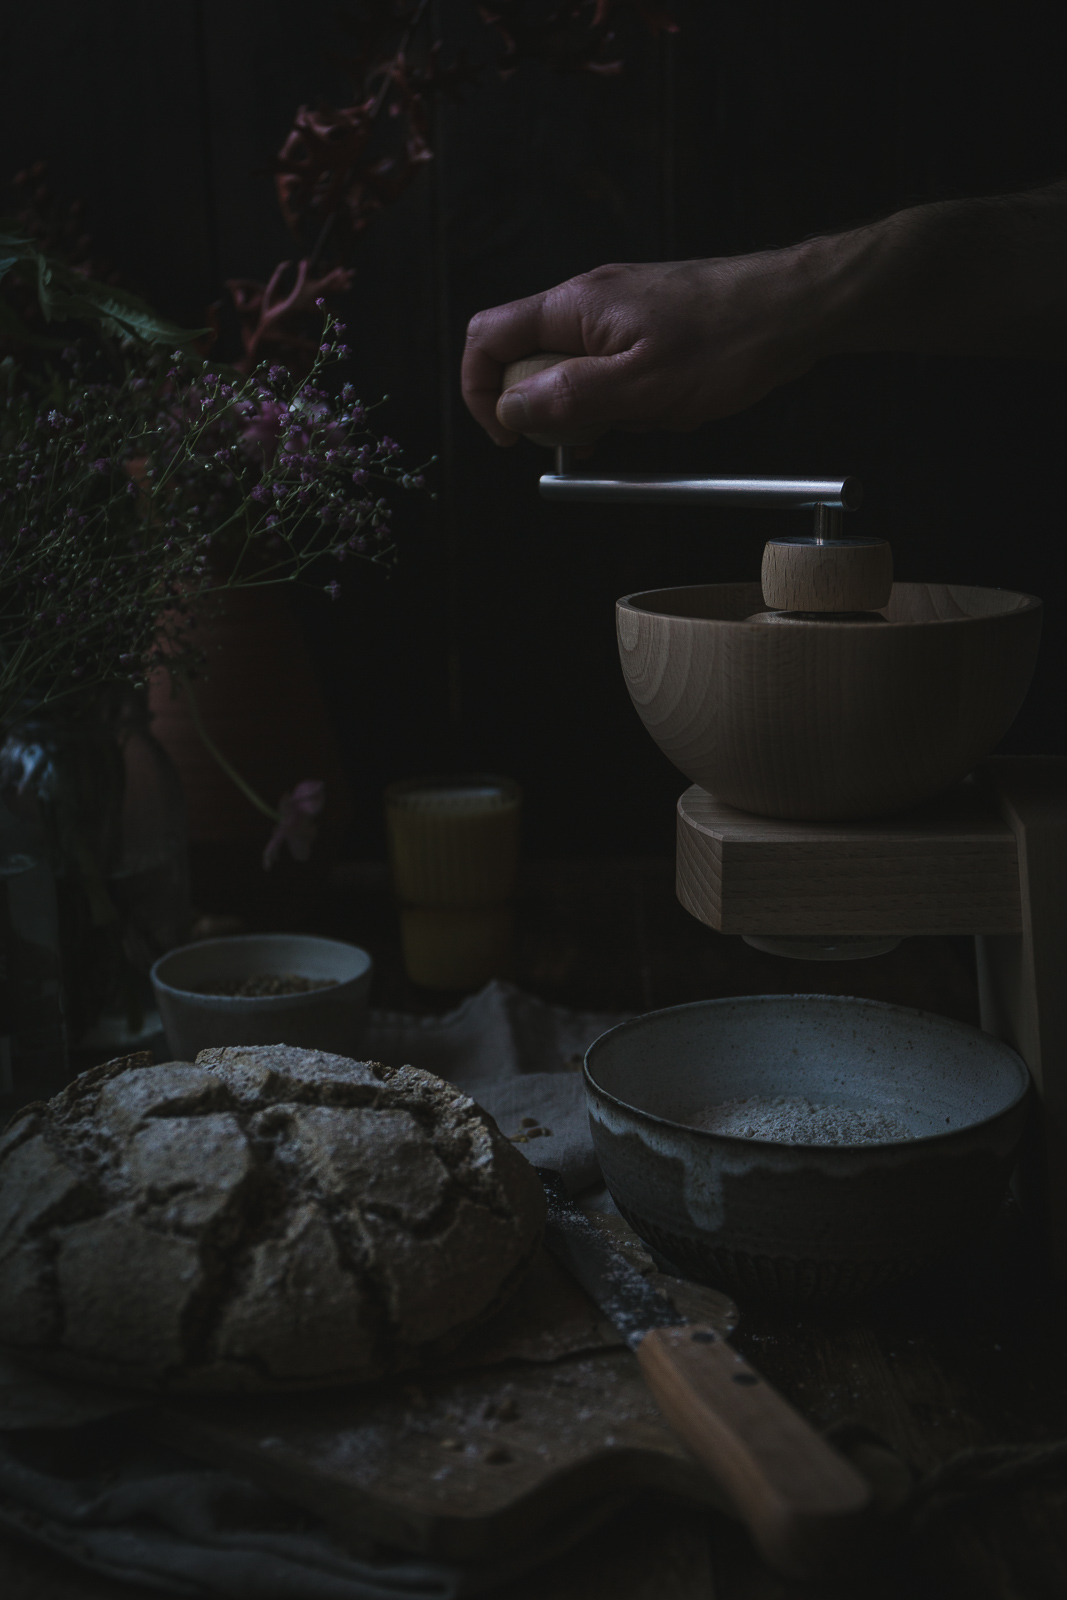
x=130 y=497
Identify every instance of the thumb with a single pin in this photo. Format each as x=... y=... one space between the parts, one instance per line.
x=579 y=396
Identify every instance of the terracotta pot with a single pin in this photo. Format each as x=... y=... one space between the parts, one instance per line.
x=261 y=704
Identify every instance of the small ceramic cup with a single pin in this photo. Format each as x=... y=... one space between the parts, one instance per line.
x=333 y=1018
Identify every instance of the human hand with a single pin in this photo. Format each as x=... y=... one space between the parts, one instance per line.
x=664 y=345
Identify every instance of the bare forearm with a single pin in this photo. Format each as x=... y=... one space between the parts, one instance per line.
x=977 y=277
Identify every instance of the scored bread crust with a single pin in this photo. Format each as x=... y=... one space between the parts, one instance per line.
x=264 y=1218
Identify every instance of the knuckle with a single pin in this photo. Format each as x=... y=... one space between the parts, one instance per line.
x=607 y=273
x=479 y=325
x=600 y=282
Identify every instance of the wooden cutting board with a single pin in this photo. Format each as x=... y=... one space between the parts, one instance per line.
x=542 y=1417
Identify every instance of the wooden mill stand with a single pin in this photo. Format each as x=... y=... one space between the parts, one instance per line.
x=989 y=858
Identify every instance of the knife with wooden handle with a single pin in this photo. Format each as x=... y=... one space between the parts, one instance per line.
x=806 y=1507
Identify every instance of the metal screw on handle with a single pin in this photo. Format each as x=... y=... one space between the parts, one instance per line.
x=827 y=524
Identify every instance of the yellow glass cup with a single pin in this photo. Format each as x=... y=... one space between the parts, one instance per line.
x=454 y=855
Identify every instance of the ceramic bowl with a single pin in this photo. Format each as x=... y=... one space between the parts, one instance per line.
x=334 y=1018
x=826 y=721
x=804 y=1221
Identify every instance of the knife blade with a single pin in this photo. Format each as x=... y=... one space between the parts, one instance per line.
x=626 y=1298
x=806 y=1506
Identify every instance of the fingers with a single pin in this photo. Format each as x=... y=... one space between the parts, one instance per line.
x=574 y=397
x=494 y=338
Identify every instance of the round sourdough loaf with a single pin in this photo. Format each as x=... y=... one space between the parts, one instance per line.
x=266 y=1218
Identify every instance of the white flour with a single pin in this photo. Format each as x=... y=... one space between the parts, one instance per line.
x=790 y=1119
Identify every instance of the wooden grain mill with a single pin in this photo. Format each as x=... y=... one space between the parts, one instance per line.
x=836 y=727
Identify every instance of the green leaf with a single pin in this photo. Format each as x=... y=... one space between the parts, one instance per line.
x=119 y=311
x=64 y=295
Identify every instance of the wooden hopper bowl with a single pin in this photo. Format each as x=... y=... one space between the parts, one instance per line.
x=827 y=721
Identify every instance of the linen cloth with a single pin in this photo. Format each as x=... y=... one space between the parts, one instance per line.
x=151 y=1516
x=519 y=1058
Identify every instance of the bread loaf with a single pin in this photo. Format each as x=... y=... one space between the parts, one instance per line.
x=265 y=1218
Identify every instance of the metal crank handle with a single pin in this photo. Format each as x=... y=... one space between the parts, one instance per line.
x=639 y=488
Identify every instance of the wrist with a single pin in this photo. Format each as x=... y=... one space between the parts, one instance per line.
x=846 y=295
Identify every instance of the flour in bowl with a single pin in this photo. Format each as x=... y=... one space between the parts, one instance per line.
x=791 y=1119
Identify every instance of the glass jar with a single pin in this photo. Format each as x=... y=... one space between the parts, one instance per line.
x=454 y=853
x=33 y=1045
x=114 y=820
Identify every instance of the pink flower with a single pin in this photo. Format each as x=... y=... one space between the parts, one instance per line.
x=296 y=825
x=263 y=429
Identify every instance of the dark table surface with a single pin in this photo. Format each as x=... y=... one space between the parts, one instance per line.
x=968 y=1357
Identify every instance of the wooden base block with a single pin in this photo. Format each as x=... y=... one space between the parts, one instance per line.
x=951 y=867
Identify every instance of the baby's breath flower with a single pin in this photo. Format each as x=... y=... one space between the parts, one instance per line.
x=125 y=505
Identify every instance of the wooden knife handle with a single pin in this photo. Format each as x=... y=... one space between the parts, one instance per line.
x=516 y=371
x=803 y=1504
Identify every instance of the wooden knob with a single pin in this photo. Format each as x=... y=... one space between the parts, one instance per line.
x=838 y=575
x=516 y=371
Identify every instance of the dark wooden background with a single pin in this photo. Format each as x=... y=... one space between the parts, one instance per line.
x=761 y=122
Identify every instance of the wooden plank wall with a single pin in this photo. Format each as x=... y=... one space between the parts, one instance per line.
x=759 y=123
